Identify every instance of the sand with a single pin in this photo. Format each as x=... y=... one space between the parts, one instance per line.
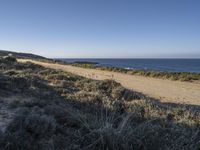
x=164 y=90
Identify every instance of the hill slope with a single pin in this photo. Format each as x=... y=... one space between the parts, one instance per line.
x=47 y=109
x=164 y=90
x=21 y=55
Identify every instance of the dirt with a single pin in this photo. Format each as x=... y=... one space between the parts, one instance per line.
x=164 y=90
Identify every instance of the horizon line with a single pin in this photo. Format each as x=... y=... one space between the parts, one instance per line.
x=139 y=57
x=125 y=58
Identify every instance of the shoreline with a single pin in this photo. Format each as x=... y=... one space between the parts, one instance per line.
x=173 y=76
x=182 y=76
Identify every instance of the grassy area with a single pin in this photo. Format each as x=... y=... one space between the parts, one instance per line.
x=85 y=65
x=54 y=110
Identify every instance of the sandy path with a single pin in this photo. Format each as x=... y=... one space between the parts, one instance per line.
x=165 y=90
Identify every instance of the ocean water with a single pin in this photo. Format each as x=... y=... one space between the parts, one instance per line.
x=169 y=65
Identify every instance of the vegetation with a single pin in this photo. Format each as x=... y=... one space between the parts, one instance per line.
x=85 y=65
x=21 y=55
x=46 y=109
x=182 y=76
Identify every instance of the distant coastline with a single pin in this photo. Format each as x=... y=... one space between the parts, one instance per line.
x=179 y=71
x=149 y=64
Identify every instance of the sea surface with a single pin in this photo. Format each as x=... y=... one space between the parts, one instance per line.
x=169 y=65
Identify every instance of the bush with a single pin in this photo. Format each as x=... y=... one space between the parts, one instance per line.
x=1 y=137
x=31 y=130
x=121 y=93
x=65 y=117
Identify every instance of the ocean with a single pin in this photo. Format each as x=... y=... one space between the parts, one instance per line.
x=169 y=65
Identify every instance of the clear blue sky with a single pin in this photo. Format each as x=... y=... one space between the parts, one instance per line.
x=101 y=28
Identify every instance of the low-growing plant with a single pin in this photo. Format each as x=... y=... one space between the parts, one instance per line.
x=79 y=113
x=182 y=76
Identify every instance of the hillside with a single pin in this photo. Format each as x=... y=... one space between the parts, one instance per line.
x=47 y=109
x=163 y=89
x=20 y=55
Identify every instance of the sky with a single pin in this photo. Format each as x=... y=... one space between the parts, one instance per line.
x=101 y=28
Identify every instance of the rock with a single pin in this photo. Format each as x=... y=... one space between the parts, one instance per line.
x=10 y=58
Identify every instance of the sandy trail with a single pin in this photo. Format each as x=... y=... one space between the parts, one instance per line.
x=165 y=90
